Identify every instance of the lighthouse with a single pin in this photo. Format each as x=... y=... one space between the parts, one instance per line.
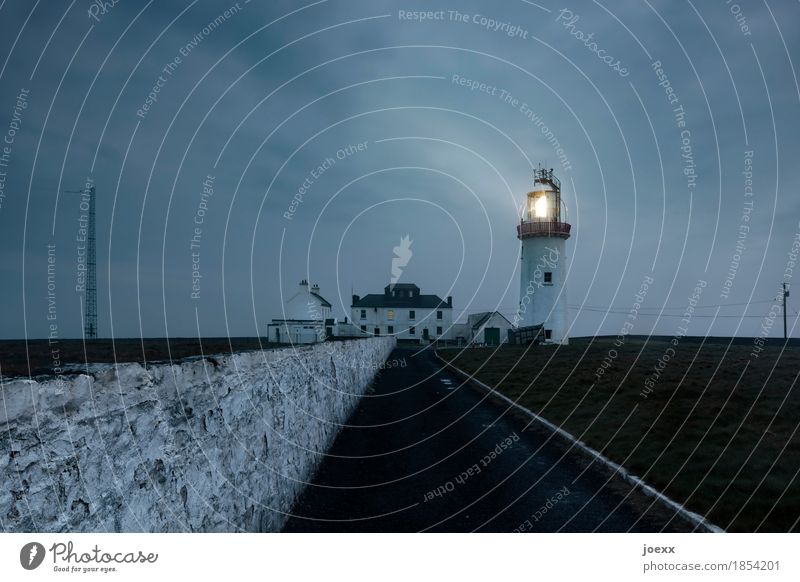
x=543 y=236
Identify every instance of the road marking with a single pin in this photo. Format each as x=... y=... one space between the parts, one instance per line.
x=448 y=383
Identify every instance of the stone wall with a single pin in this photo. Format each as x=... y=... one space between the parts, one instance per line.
x=217 y=444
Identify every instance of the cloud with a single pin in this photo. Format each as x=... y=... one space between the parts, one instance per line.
x=363 y=78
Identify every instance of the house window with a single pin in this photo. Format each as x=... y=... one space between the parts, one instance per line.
x=390 y=329
x=438 y=315
x=548 y=333
x=363 y=314
x=412 y=314
x=548 y=278
x=438 y=330
x=412 y=330
x=377 y=332
x=364 y=328
x=390 y=314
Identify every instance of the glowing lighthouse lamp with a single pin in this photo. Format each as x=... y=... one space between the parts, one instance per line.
x=543 y=236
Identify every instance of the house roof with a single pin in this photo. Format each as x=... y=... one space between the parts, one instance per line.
x=402 y=295
x=393 y=286
x=480 y=318
x=383 y=300
x=321 y=299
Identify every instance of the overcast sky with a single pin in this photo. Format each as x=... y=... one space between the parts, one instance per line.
x=259 y=97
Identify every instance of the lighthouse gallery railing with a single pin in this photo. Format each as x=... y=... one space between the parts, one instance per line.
x=543 y=228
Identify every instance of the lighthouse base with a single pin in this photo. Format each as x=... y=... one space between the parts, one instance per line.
x=543 y=297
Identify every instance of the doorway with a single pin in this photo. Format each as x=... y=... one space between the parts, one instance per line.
x=491 y=336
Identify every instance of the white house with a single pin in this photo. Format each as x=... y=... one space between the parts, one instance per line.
x=306 y=318
x=403 y=312
x=489 y=328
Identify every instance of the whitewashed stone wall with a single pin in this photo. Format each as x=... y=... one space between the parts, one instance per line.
x=218 y=444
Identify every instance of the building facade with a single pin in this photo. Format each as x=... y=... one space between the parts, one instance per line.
x=306 y=318
x=402 y=311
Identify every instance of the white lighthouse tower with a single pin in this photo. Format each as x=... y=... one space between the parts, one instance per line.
x=543 y=236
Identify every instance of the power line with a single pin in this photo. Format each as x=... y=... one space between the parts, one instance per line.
x=614 y=309
x=693 y=315
x=672 y=308
x=648 y=311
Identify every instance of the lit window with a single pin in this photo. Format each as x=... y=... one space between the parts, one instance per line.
x=390 y=314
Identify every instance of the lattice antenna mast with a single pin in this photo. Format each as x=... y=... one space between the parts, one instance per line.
x=90 y=298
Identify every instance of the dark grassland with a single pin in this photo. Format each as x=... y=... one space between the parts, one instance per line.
x=38 y=358
x=718 y=432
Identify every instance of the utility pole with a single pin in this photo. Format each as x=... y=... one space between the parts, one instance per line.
x=90 y=326
x=785 y=295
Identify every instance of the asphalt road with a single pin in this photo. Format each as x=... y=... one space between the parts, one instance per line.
x=426 y=452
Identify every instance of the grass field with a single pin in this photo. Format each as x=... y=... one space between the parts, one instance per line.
x=34 y=357
x=714 y=428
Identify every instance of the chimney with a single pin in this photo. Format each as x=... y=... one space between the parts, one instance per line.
x=303 y=285
x=315 y=288
x=450 y=301
x=355 y=299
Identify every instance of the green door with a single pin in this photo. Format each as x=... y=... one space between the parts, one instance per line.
x=491 y=336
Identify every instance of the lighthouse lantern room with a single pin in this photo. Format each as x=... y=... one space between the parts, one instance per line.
x=543 y=235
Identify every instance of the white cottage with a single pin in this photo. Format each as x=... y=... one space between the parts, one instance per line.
x=488 y=328
x=306 y=318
